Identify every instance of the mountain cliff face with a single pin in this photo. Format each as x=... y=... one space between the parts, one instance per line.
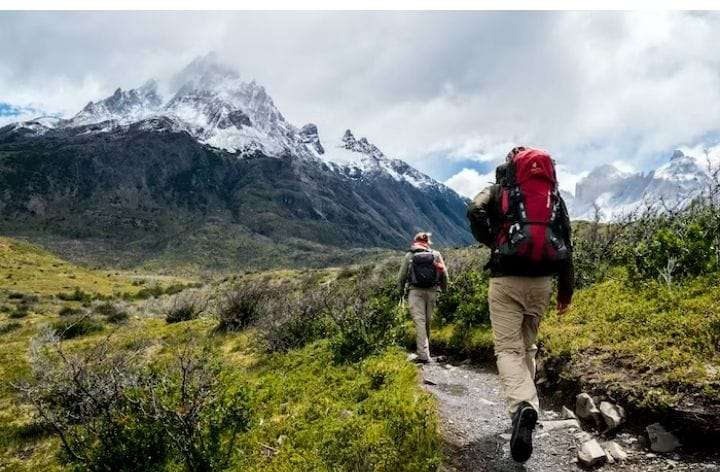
x=214 y=165
x=617 y=194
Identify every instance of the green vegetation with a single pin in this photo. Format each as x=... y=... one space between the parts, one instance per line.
x=330 y=393
x=302 y=369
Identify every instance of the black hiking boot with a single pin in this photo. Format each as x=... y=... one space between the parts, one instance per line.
x=523 y=424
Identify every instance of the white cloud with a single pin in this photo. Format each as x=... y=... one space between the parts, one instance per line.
x=469 y=182
x=592 y=88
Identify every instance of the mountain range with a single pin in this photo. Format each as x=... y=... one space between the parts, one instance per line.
x=213 y=168
x=617 y=194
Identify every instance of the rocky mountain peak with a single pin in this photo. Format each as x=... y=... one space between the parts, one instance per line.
x=309 y=135
x=348 y=138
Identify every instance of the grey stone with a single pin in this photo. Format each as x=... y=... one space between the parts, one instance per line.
x=582 y=437
x=559 y=424
x=567 y=414
x=505 y=436
x=614 y=415
x=615 y=450
x=592 y=454
x=585 y=407
x=661 y=440
x=412 y=357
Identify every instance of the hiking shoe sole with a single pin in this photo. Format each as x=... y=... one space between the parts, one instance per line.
x=521 y=441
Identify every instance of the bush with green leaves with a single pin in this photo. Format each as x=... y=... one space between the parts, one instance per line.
x=111 y=312
x=69 y=311
x=243 y=305
x=367 y=317
x=297 y=318
x=680 y=246
x=77 y=295
x=111 y=411
x=74 y=326
x=466 y=299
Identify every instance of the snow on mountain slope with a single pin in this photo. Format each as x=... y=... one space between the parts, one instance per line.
x=209 y=101
x=123 y=107
x=618 y=194
x=359 y=158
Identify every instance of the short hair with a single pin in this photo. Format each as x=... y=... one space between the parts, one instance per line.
x=423 y=237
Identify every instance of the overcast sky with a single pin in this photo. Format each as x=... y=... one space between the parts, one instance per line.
x=448 y=92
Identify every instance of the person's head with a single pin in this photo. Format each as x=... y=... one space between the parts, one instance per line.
x=423 y=238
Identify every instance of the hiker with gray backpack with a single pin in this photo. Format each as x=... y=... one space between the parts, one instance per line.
x=525 y=223
x=423 y=271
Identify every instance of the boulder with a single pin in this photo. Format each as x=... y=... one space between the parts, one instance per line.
x=585 y=407
x=615 y=450
x=661 y=440
x=591 y=454
x=614 y=415
x=567 y=414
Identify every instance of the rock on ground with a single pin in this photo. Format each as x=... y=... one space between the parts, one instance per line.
x=614 y=415
x=475 y=428
x=592 y=454
x=661 y=440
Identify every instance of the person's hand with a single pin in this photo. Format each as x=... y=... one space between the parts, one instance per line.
x=562 y=308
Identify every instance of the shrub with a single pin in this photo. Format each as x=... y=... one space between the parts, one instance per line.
x=111 y=312
x=69 y=311
x=77 y=295
x=186 y=306
x=138 y=418
x=466 y=300
x=20 y=311
x=296 y=319
x=75 y=326
x=367 y=318
x=8 y=327
x=243 y=305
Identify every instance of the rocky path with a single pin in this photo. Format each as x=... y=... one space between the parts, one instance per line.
x=476 y=431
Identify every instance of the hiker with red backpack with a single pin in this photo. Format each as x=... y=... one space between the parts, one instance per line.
x=424 y=271
x=524 y=221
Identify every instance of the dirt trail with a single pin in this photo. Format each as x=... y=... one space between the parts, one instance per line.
x=476 y=430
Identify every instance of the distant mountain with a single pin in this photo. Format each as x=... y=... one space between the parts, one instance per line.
x=616 y=194
x=215 y=165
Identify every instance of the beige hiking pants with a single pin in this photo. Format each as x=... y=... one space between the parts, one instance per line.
x=422 y=304
x=516 y=306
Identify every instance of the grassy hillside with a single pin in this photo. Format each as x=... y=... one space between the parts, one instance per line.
x=310 y=402
x=30 y=269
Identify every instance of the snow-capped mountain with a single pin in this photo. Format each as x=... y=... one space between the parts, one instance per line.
x=617 y=194
x=166 y=170
x=122 y=107
x=358 y=158
x=213 y=104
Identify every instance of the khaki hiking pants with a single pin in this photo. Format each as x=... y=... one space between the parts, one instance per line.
x=422 y=304
x=516 y=306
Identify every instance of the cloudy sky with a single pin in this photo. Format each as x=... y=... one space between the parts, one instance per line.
x=448 y=92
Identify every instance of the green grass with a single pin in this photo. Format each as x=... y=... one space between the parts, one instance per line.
x=653 y=339
x=319 y=415
x=309 y=412
x=26 y=268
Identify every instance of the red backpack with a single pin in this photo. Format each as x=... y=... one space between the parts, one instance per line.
x=530 y=211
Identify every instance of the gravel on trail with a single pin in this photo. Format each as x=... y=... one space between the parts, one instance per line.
x=476 y=430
